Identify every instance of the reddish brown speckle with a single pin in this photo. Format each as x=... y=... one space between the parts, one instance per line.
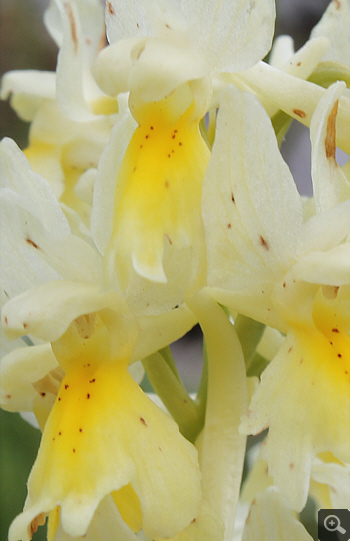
x=291 y=465
x=166 y=184
x=92 y=380
x=25 y=325
x=229 y=226
x=169 y=239
x=8 y=396
x=284 y=284
x=60 y=433
x=88 y=396
x=298 y=64
x=339 y=355
x=32 y=243
x=232 y=198
x=299 y=113
x=335 y=330
x=143 y=421
x=67 y=6
x=80 y=429
x=66 y=386
x=73 y=450
x=6 y=320
x=180 y=144
x=112 y=12
x=264 y=243
x=59 y=399
x=330 y=136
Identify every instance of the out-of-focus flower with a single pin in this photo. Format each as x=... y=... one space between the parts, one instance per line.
x=266 y=263
x=71 y=118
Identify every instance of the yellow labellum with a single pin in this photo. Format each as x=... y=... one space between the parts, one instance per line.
x=105 y=436
x=158 y=194
x=129 y=507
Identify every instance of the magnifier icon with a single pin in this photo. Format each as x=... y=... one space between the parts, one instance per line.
x=332 y=524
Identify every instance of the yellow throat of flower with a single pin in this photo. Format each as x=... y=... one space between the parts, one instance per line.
x=105 y=436
x=157 y=207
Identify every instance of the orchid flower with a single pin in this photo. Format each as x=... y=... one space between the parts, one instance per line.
x=164 y=53
x=265 y=262
x=71 y=118
x=87 y=336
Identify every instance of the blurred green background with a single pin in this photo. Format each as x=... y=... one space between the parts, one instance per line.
x=25 y=44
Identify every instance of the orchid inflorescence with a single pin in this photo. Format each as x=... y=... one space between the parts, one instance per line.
x=153 y=196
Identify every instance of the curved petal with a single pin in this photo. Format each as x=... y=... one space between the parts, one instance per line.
x=47 y=311
x=231 y=35
x=19 y=370
x=270 y=518
x=100 y=407
x=304 y=397
x=108 y=167
x=27 y=89
x=327 y=268
x=251 y=206
x=330 y=185
x=334 y=25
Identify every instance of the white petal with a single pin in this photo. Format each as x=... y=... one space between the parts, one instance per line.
x=251 y=207
x=135 y=18
x=296 y=97
x=19 y=370
x=330 y=185
x=231 y=35
x=281 y=52
x=27 y=89
x=103 y=198
x=47 y=311
x=337 y=477
x=326 y=268
x=82 y=28
x=318 y=236
x=270 y=518
x=156 y=332
x=163 y=66
x=33 y=192
x=334 y=25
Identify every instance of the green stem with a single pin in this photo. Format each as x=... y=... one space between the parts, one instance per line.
x=223 y=448
x=168 y=386
x=169 y=359
x=249 y=333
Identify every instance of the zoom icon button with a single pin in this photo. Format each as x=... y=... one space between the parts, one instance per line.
x=334 y=525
